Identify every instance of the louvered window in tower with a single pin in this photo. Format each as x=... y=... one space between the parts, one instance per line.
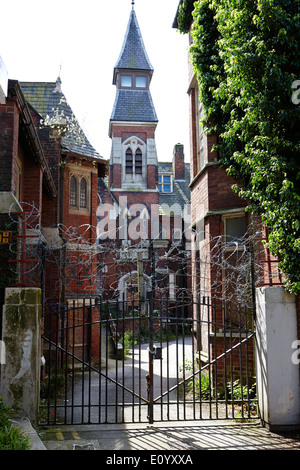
x=73 y=192
x=138 y=162
x=129 y=162
x=83 y=193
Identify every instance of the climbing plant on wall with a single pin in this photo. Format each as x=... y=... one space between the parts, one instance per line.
x=246 y=56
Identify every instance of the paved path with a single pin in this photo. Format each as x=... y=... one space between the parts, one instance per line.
x=187 y=437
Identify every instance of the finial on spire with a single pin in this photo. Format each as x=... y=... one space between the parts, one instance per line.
x=132 y=3
x=58 y=82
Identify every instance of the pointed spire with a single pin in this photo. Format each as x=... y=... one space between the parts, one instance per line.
x=133 y=54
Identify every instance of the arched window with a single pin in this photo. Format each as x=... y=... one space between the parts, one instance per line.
x=138 y=162
x=83 y=193
x=129 y=162
x=73 y=191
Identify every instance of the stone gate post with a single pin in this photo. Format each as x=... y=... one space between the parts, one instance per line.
x=21 y=335
x=277 y=365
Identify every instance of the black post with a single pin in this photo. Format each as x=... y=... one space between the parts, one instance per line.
x=150 y=345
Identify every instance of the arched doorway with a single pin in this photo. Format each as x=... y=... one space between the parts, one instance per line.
x=130 y=287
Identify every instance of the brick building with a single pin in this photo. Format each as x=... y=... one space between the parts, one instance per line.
x=48 y=193
x=69 y=229
x=218 y=213
x=144 y=193
x=221 y=227
x=26 y=185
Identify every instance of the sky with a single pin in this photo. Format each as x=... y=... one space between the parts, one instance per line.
x=81 y=40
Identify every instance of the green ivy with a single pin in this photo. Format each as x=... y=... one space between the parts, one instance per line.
x=246 y=56
x=184 y=15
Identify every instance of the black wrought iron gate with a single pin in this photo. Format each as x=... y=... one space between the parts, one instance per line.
x=147 y=361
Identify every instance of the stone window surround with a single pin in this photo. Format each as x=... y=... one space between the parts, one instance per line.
x=135 y=144
x=79 y=173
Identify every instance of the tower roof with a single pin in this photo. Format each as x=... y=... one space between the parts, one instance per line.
x=132 y=105
x=133 y=53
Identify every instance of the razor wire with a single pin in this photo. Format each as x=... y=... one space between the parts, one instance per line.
x=74 y=259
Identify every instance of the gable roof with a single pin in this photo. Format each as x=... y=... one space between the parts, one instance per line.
x=47 y=99
x=133 y=53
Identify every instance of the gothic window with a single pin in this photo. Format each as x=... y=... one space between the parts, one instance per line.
x=138 y=162
x=73 y=191
x=83 y=193
x=79 y=192
x=129 y=162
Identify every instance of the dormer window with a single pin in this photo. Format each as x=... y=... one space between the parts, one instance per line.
x=126 y=81
x=141 y=82
x=134 y=81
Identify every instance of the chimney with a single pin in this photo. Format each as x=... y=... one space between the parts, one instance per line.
x=178 y=162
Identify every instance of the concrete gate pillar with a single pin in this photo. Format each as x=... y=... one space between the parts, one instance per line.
x=21 y=336
x=277 y=366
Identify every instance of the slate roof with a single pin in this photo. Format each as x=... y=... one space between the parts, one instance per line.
x=134 y=105
x=181 y=194
x=133 y=53
x=44 y=98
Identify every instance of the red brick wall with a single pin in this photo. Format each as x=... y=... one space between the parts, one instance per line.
x=124 y=131
x=80 y=228
x=72 y=218
x=32 y=183
x=220 y=193
x=116 y=176
x=151 y=177
x=9 y=142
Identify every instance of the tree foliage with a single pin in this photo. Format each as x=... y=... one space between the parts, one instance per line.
x=246 y=55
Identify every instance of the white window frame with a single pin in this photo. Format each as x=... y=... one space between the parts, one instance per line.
x=162 y=175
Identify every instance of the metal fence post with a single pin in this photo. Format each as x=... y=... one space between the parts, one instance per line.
x=150 y=347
